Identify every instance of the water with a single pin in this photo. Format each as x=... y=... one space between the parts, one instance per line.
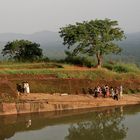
x=114 y=123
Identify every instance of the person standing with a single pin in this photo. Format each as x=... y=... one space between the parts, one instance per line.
x=27 y=87
x=121 y=91
x=95 y=92
x=99 y=91
x=112 y=92
x=116 y=93
x=107 y=90
x=104 y=91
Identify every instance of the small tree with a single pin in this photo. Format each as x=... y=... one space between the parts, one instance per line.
x=95 y=37
x=22 y=50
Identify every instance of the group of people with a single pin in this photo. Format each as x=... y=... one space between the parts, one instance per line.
x=106 y=91
x=23 y=88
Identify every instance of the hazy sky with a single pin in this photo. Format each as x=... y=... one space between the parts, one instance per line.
x=29 y=16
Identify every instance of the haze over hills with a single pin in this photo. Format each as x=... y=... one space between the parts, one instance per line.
x=51 y=43
x=131 y=48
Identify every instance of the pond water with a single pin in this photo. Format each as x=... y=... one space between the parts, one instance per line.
x=113 y=123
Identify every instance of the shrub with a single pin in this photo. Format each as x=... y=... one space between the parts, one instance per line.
x=108 y=66
x=81 y=61
x=121 y=67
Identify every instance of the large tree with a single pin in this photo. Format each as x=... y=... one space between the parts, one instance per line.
x=95 y=37
x=22 y=50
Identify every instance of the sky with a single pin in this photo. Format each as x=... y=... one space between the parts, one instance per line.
x=29 y=16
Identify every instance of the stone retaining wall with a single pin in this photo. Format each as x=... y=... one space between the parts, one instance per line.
x=32 y=107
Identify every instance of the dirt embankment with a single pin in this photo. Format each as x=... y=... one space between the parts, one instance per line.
x=51 y=84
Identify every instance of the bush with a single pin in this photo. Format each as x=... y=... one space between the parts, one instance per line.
x=81 y=61
x=109 y=66
x=132 y=91
x=121 y=67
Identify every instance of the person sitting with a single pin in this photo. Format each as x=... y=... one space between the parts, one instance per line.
x=90 y=91
x=19 y=89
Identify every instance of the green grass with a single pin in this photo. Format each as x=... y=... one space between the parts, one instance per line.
x=42 y=65
x=110 y=71
x=122 y=67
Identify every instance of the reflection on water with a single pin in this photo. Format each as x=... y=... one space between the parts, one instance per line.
x=28 y=123
x=99 y=124
x=105 y=125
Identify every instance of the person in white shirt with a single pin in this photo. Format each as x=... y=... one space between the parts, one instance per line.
x=121 y=91
x=26 y=87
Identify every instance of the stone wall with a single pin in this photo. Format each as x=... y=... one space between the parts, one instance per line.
x=32 y=107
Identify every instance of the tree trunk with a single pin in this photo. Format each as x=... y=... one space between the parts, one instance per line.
x=99 y=60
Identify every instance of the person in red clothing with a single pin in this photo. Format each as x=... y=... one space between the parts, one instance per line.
x=107 y=90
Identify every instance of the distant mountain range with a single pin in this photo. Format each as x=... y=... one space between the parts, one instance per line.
x=50 y=42
x=52 y=45
x=131 y=48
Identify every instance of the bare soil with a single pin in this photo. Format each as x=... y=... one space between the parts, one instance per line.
x=96 y=102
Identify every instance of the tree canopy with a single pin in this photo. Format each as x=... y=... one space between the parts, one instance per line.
x=22 y=50
x=95 y=37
